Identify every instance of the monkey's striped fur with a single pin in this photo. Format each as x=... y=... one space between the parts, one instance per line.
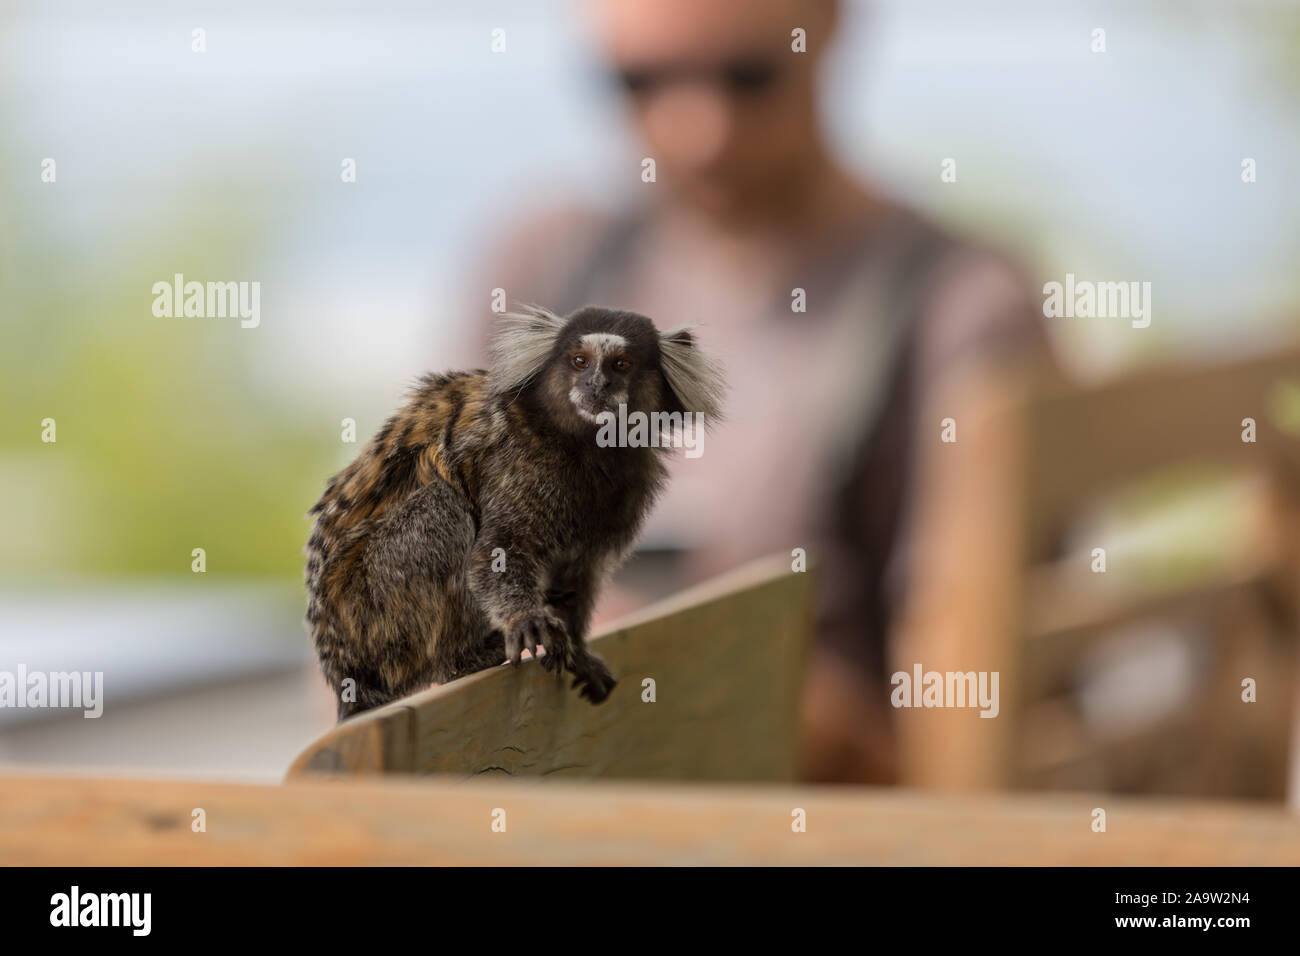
x=483 y=516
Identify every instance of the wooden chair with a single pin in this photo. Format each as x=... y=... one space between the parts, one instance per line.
x=997 y=587
x=709 y=685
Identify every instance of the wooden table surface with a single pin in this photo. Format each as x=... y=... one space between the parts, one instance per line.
x=65 y=820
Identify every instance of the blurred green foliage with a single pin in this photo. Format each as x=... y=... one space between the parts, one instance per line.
x=164 y=442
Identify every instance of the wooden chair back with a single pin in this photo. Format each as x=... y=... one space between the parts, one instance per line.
x=709 y=685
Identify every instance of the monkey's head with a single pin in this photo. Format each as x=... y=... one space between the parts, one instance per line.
x=597 y=359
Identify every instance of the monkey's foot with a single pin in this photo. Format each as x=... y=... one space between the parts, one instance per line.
x=543 y=630
x=595 y=679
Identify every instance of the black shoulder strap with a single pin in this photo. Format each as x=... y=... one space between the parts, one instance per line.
x=906 y=283
x=862 y=516
x=892 y=319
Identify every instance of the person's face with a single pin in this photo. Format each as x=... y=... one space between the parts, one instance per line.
x=724 y=104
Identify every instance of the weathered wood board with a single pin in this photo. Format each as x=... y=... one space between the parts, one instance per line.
x=53 y=821
x=726 y=660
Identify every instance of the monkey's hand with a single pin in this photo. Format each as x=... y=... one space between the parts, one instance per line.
x=591 y=674
x=542 y=629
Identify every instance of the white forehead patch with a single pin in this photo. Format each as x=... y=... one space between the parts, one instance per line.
x=602 y=343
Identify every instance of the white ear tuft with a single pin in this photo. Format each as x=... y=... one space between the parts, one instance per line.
x=521 y=346
x=695 y=379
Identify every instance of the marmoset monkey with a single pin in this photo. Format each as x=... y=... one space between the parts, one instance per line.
x=481 y=519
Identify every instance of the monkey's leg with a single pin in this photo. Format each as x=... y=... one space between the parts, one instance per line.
x=416 y=567
x=511 y=593
x=572 y=595
x=368 y=656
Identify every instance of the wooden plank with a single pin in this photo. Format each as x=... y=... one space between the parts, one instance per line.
x=1087 y=441
x=726 y=660
x=53 y=821
x=1062 y=631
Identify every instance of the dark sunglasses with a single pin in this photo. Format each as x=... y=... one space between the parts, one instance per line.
x=751 y=76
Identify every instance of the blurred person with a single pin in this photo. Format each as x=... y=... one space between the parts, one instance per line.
x=834 y=309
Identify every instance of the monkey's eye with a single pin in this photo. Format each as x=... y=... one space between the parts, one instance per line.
x=622 y=365
x=579 y=361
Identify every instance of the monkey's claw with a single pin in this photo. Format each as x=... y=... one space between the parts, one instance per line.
x=595 y=679
x=544 y=630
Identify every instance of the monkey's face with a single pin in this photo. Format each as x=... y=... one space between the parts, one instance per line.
x=578 y=370
x=597 y=367
x=602 y=372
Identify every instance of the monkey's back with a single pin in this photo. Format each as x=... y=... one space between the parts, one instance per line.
x=376 y=601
